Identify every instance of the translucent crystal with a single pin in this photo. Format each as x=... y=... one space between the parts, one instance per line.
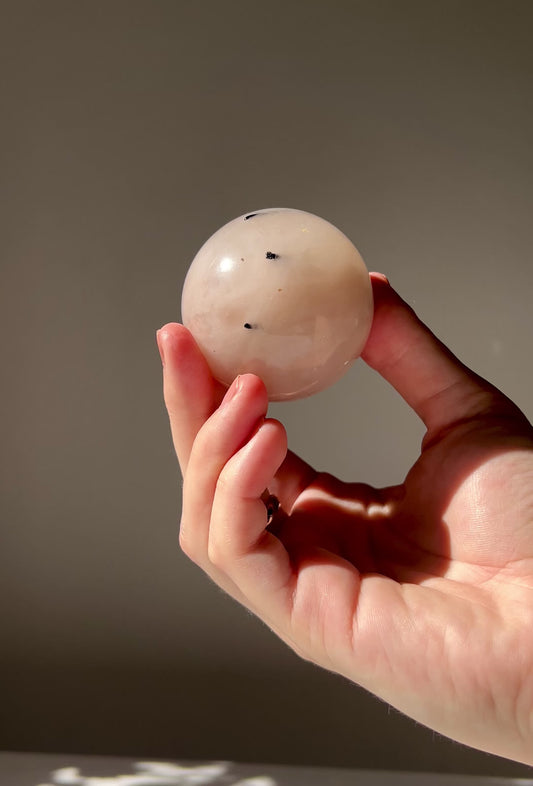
x=280 y=293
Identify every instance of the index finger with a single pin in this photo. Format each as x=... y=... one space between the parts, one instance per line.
x=191 y=393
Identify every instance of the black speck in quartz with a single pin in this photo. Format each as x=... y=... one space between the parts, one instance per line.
x=250 y=215
x=248 y=326
x=271 y=255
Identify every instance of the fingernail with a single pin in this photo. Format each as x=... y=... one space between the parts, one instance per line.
x=160 y=346
x=232 y=391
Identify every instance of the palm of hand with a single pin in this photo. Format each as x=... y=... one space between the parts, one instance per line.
x=455 y=516
x=445 y=562
x=421 y=593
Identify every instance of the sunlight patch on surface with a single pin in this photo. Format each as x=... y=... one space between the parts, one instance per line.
x=158 y=774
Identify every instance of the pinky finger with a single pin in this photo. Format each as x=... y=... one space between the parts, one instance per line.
x=239 y=543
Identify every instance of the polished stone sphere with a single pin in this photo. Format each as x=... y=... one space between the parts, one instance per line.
x=280 y=293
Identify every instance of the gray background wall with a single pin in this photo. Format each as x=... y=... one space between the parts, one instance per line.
x=129 y=132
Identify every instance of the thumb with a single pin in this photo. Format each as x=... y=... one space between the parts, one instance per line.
x=440 y=389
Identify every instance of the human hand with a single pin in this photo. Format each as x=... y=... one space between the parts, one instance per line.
x=422 y=593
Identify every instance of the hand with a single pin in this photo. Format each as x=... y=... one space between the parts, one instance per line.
x=421 y=593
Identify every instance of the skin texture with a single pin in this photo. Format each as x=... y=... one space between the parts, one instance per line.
x=421 y=593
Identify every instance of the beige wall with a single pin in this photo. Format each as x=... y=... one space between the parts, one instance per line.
x=129 y=132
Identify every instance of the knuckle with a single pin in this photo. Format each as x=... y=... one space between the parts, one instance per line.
x=185 y=541
x=220 y=548
x=182 y=540
x=225 y=483
x=201 y=446
x=215 y=554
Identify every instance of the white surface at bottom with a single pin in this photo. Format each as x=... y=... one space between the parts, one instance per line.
x=36 y=769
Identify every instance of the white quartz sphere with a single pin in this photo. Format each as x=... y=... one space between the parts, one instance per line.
x=282 y=294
